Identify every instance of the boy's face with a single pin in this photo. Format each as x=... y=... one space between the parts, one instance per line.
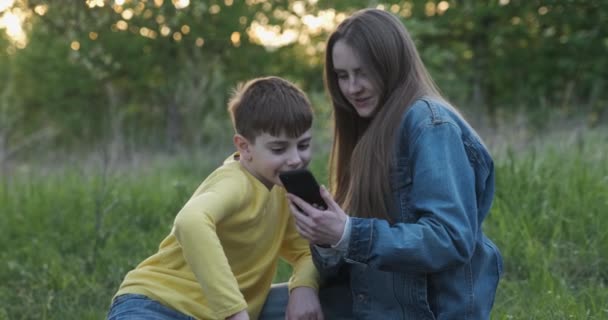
x=271 y=155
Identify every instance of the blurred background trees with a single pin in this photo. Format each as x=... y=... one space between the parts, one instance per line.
x=155 y=74
x=119 y=95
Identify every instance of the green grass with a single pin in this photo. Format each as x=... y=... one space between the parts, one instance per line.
x=69 y=235
x=550 y=219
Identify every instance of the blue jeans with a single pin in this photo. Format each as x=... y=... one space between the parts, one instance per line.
x=140 y=307
x=336 y=302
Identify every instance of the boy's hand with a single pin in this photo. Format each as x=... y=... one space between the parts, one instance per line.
x=241 y=315
x=304 y=304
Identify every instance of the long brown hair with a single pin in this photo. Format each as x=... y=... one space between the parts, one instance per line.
x=363 y=149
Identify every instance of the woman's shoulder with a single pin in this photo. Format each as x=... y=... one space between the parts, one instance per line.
x=430 y=115
x=428 y=112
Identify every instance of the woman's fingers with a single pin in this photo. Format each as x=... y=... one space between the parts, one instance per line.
x=318 y=226
x=303 y=223
x=305 y=207
x=300 y=217
x=303 y=232
x=306 y=226
x=297 y=212
x=329 y=200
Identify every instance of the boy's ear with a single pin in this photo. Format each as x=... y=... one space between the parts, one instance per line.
x=242 y=145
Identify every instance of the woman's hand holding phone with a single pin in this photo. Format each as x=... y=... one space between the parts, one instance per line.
x=318 y=226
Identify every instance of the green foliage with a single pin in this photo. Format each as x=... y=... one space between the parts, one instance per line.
x=148 y=74
x=38 y=70
x=68 y=236
x=519 y=53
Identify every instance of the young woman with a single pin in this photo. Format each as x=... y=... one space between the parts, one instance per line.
x=415 y=180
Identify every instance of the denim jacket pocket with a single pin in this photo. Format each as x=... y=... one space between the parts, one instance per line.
x=411 y=290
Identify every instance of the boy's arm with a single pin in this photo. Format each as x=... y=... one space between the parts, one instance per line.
x=195 y=230
x=242 y=315
x=304 y=304
x=304 y=282
x=295 y=250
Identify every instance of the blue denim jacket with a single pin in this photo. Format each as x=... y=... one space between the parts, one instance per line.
x=434 y=262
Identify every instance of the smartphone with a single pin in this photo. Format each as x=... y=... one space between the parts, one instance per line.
x=303 y=184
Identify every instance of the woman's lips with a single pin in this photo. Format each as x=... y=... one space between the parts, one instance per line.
x=361 y=101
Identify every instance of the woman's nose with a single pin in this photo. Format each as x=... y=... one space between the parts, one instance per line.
x=353 y=85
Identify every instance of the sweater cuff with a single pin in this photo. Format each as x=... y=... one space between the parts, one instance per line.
x=342 y=245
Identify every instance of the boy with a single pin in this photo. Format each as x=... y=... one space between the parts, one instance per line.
x=219 y=260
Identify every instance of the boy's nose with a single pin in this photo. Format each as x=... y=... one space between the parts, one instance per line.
x=294 y=160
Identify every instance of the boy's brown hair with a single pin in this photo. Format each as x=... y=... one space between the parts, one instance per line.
x=269 y=105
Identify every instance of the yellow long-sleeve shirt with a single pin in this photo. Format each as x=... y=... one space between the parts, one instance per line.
x=222 y=252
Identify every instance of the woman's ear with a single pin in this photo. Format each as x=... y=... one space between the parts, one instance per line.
x=243 y=146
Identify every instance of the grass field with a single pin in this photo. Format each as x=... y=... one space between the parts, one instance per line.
x=68 y=235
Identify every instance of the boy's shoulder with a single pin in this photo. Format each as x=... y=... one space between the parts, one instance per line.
x=230 y=180
x=224 y=178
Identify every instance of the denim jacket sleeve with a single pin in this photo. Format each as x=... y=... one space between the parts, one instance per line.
x=442 y=196
x=329 y=260
x=328 y=265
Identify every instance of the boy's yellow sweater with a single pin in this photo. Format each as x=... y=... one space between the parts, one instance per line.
x=222 y=252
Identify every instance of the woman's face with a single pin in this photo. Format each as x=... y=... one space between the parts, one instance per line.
x=355 y=84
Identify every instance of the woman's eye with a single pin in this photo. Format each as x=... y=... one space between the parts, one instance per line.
x=362 y=73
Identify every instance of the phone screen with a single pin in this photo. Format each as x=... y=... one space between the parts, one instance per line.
x=303 y=184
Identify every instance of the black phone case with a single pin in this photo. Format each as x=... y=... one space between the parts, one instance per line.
x=302 y=183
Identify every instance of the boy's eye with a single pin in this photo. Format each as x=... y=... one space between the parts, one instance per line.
x=304 y=146
x=277 y=150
